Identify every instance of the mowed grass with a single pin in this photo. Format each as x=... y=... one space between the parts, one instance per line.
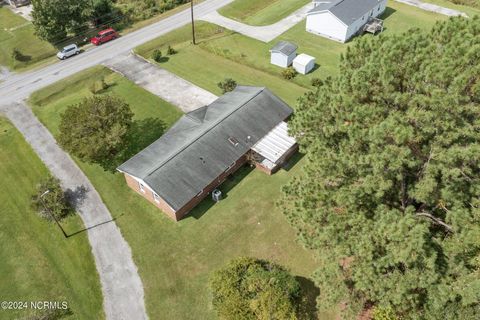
x=36 y=262
x=261 y=12
x=175 y=260
x=468 y=9
x=222 y=53
x=16 y=32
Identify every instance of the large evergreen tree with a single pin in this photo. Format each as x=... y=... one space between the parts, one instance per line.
x=390 y=193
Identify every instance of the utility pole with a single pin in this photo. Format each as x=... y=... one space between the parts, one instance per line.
x=51 y=214
x=193 y=23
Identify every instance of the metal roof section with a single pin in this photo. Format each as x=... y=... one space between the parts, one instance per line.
x=348 y=11
x=204 y=143
x=275 y=144
x=285 y=47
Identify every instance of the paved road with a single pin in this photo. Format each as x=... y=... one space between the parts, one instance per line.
x=168 y=86
x=19 y=86
x=434 y=8
x=262 y=33
x=121 y=285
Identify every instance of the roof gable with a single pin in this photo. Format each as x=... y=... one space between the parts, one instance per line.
x=205 y=142
x=347 y=11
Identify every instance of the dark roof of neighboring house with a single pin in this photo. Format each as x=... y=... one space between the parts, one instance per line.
x=348 y=11
x=204 y=143
x=285 y=47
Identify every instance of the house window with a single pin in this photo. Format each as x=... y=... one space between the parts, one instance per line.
x=156 y=197
x=142 y=187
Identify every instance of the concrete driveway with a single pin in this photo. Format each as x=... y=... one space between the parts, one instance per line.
x=121 y=285
x=262 y=33
x=162 y=83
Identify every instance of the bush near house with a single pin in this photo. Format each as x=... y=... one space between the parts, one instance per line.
x=289 y=73
x=227 y=85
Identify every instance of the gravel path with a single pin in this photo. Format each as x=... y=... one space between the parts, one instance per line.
x=160 y=82
x=262 y=33
x=434 y=8
x=121 y=285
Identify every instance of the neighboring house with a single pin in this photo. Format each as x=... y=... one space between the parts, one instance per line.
x=342 y=19
x=207 y=145
x=18 y=3
x=304 y=63
x=283 y=53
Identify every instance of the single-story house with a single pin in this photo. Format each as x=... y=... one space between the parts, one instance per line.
x=304 y=63
x=341 y=19
x=207 y=145
x=283 y=53
x=18 y=3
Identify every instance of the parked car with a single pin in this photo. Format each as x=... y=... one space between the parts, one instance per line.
x=104 y=36
x=68 y=51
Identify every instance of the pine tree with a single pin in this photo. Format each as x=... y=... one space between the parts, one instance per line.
x=390 y=193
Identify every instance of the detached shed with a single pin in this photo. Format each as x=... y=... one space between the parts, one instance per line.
x=304 y=63
x=283 y=53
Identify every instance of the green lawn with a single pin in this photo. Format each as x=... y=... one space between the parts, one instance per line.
x=176 y=259
x=470 y=10
x=222 y=53
x=16 y=32
x=36 y=261
x=261 y=12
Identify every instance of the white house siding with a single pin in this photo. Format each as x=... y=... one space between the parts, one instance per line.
x=327 y=25
x=282 y=60
x=357 y=25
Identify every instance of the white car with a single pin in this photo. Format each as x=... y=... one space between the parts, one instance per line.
x=68 y=51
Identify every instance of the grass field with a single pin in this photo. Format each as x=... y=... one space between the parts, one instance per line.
x=222 y=53
x=16 y=32
x=261 y=12
x=471 y=10
x=36 y=261
x=176 y=259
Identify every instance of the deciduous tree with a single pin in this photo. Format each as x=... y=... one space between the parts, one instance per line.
x=249 y=288
x=95 y=130
x=390 y=194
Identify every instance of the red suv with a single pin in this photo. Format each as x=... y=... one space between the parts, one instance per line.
x=104 y=36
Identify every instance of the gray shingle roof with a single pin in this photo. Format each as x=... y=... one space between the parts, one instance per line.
x=348 y=11
x=196 y=149
x=285 y=47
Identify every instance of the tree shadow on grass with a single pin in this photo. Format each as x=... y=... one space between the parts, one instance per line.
x=141 y=134
x=310 y=293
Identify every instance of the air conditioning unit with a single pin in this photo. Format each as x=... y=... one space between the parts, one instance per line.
x=216 y=195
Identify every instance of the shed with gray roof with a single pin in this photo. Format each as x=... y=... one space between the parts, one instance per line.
x=202 y=148
x=283 y=53
x=342 y=19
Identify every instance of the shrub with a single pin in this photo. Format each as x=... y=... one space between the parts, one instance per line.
x=50 y=201
x=171 y=51
x=157 y=55
x=289 y=73
x=16 y=54
x=227 y=85
x=248 y=288
x=316 y=82
x=98 y=86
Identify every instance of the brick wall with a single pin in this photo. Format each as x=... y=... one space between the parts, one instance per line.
x=182 y=212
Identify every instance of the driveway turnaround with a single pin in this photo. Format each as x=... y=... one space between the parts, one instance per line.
x=434 y=8
x=162 y=83
x=262 y=33
x=121 y=285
